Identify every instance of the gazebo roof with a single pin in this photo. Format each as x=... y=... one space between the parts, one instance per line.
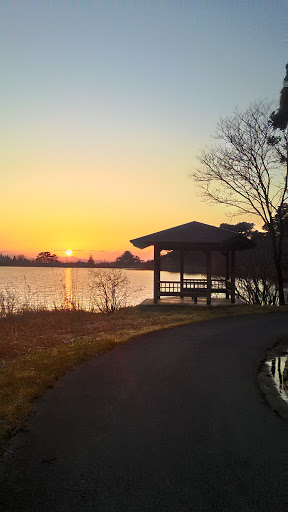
x=194 y=235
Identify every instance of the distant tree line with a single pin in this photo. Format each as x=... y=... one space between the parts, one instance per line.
x=47 y=259
x=248 y=262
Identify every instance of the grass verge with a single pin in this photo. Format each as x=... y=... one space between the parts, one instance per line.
x=37 y=348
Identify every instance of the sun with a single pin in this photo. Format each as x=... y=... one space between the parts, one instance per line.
x=68 y=252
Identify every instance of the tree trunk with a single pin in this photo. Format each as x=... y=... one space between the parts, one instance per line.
x=280 y=284
x=278 y=264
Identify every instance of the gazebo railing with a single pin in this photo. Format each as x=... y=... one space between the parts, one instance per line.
x=192 y=286
x=172 y=287
x=216 y=284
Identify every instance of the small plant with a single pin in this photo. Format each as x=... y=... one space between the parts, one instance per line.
x=13 y=302
x=8 y=302
x=109 y=288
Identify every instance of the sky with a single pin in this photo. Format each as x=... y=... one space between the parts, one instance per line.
x=106 y=105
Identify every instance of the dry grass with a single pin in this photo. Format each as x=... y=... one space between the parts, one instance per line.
x=36 y=348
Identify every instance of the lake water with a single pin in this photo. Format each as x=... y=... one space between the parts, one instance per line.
x=58 y=287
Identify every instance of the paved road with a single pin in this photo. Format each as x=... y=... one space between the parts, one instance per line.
x=172 y=421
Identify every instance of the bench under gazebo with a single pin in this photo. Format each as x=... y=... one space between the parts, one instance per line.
x=195 y=236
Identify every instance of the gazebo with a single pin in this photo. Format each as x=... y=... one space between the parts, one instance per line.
x=195 y=236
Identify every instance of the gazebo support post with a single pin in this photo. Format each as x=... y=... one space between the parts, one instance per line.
x=227 y=273
x=156 y=273
x=209 y=287
x=181 y=272
x=233 y=276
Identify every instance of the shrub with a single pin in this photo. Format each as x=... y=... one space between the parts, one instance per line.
x=109 y=288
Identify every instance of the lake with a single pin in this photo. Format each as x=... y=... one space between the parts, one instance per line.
x=57 y=287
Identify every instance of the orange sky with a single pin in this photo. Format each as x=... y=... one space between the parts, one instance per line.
x=94 y=204
x=105 y=110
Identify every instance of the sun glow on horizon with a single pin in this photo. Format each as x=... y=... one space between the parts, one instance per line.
x=117 y=165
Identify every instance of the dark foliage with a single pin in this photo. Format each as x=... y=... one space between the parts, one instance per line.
x=280 y=118
x=127 y=259
x=244 y=228
x=47 y=257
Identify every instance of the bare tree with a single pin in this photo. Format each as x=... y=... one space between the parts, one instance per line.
x=109 y=289
x=245 y=171
x=256 y=277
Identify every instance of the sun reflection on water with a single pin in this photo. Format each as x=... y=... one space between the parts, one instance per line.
x=68 y=289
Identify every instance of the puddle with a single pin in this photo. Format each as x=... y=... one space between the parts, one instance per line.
x=277 y=368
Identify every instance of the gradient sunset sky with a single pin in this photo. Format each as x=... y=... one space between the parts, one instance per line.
x=105 y=105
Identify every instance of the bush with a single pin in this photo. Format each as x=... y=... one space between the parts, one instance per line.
x=109 y=288
x=257 y=280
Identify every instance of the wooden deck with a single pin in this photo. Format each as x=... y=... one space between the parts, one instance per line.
x=186 y=301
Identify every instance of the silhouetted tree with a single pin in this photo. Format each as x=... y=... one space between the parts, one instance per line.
x=47 y=257
x=127 y=259
x=90 y=261
x=245 y=171
x=244 y=228
x=281 y=217
x=280 y=118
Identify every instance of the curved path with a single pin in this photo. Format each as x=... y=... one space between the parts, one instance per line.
x=172 y=421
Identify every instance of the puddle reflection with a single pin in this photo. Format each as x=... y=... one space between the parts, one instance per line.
x=277 y=367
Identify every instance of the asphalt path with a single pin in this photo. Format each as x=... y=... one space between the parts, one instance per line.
x=172 y=421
